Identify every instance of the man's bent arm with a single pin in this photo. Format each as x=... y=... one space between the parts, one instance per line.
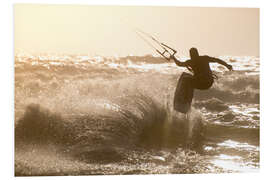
x=179 y=63
x=211 y=59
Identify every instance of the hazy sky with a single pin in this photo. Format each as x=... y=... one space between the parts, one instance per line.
x=99 y=30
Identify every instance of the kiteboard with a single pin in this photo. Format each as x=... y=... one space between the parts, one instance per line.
x=183 y=95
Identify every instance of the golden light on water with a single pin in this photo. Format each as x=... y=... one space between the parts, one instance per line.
x=234 y=162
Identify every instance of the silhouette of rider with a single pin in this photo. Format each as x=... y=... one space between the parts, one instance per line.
x=202 y=77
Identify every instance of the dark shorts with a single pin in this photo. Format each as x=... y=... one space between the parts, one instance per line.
x=202 y=84
x=197 y=83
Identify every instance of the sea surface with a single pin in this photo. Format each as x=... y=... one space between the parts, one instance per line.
x=83 y=115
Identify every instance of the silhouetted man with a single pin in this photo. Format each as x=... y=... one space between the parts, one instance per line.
x=202 y=78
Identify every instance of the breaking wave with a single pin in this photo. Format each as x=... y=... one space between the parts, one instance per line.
x=132 y=122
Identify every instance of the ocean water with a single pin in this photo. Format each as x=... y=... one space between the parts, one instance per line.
x=83 y=115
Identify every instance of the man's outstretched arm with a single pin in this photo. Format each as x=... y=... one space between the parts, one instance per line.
x=179 y=63
x=211 y=59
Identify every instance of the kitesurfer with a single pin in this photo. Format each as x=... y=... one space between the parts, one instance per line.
x=202 y=78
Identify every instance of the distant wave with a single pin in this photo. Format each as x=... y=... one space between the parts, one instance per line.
x=83 y=63
x=234 y=87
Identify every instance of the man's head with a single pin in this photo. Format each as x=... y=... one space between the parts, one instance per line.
x=193 y=52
